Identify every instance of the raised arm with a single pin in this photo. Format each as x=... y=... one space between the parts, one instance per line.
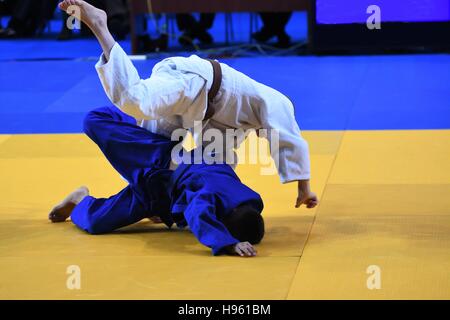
x=141 y=99
x=94 y=18
x=154 y=98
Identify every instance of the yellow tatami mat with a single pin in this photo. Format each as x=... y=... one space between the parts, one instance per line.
x=142 y=261
x=385 y=202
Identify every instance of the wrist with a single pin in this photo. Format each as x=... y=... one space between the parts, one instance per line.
x=303 y=185
x=230 y=248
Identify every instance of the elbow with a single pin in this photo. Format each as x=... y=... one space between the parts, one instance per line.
x=132 y=109
x=132 y=102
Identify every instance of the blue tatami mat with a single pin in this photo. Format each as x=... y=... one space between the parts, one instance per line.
x=48 y=47
x=329 y=93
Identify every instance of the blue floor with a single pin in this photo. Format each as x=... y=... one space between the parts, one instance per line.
x=47 y=47
x=330 y=93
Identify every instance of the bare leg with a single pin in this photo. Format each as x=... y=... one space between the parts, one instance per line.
x=95 y=19
x=62 y=211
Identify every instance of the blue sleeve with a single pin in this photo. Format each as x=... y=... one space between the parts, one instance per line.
x=200 y=214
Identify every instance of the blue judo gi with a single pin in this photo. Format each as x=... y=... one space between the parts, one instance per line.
x=194 y=195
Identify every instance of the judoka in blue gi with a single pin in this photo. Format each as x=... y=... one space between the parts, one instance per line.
x=223 y=213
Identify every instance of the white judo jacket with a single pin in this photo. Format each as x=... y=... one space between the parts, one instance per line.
x=176 y=95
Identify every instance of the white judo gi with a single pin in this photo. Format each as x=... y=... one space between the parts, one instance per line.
x=176 y=95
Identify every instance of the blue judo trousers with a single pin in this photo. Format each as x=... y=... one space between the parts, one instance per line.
x=194 y=195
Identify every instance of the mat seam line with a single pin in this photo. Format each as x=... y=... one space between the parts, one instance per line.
x=366 y=71
x=312 y=223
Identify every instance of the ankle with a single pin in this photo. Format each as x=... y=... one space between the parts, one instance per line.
x=99 y=26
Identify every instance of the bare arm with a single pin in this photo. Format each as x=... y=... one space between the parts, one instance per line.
x=118 y=75
x=94 y=18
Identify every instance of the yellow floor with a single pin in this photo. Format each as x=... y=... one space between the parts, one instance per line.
x=385 y=202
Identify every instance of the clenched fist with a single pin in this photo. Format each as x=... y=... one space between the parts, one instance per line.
x=305 y=196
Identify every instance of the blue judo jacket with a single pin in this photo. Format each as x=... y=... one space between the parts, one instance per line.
x=197 y=195
x=204 y=193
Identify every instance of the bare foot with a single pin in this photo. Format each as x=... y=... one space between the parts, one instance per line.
x=62 y=211
x=93 y=17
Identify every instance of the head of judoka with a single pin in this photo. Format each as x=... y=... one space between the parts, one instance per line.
x=246 y=224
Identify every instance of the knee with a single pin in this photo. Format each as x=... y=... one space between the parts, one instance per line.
x=93 y=119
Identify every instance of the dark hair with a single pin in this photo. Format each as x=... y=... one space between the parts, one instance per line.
x=245 y=223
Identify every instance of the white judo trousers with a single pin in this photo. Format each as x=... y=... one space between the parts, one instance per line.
x=176 y=96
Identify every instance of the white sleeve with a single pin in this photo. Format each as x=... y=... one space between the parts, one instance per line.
x=292 y=158
x=147 y=99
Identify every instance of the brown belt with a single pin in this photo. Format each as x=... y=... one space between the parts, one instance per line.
x=215 y=87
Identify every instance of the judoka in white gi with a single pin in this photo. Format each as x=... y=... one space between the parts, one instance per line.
x=176 y=96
